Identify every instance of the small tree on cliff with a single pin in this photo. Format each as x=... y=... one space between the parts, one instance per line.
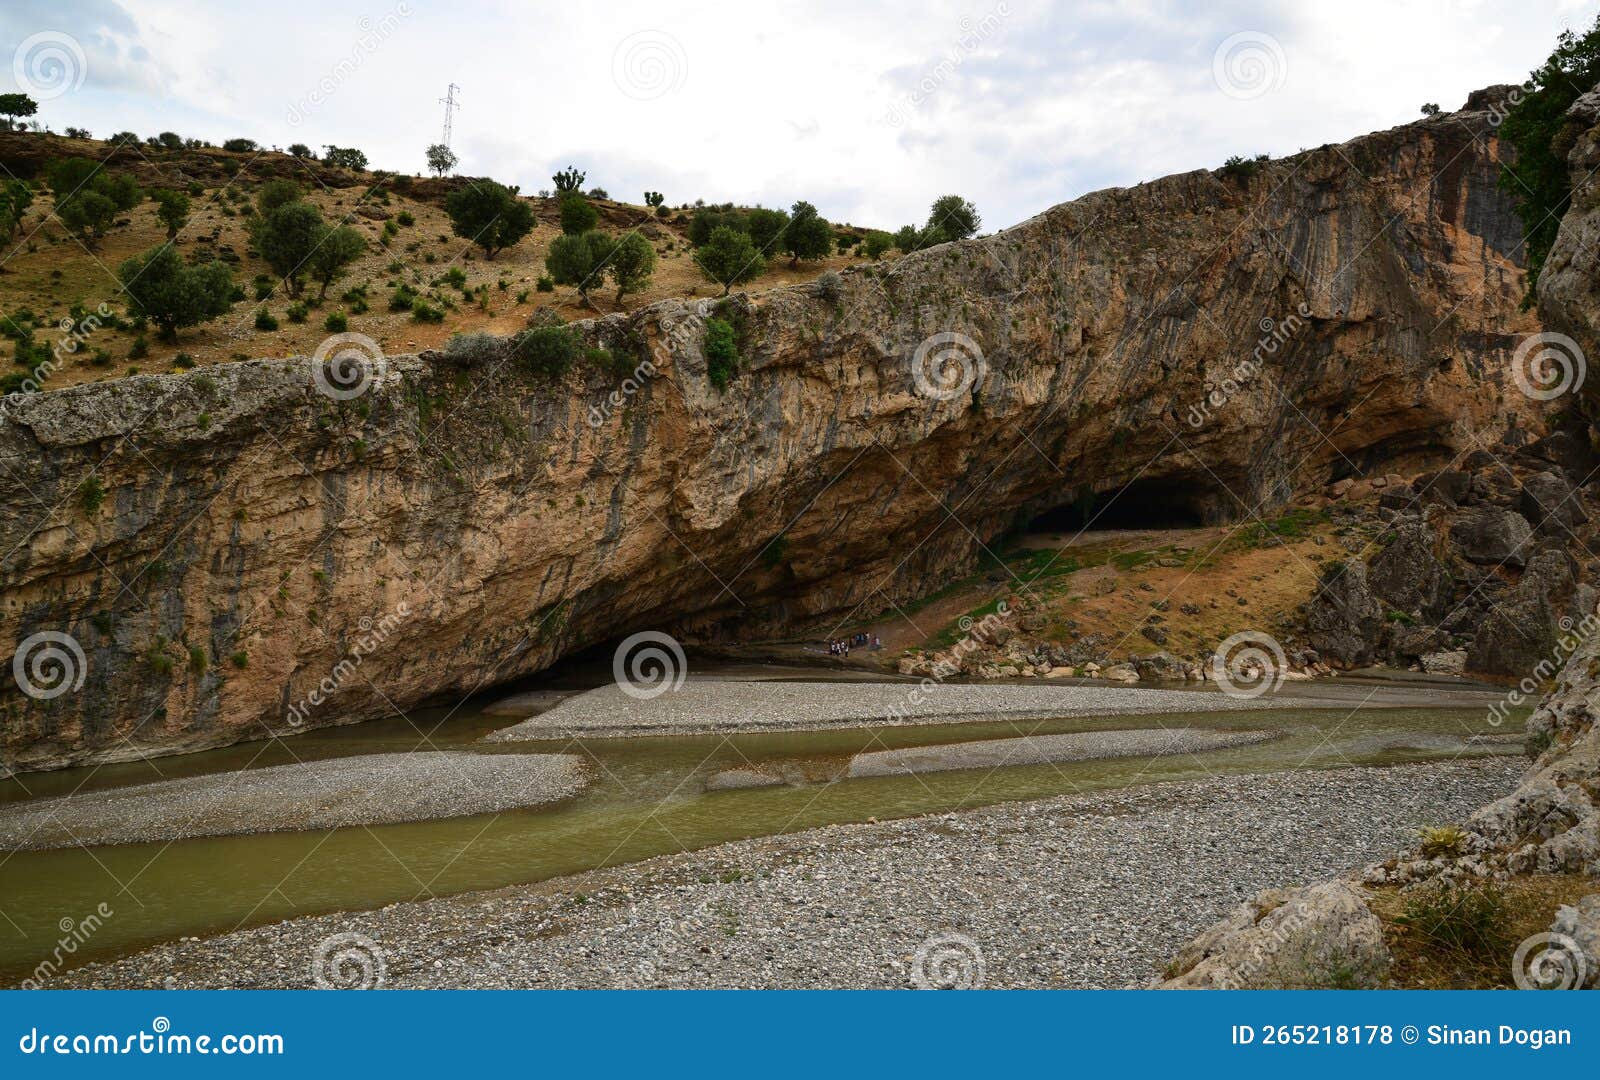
x=1536 y=176
x=729 y=258
x=173 y=294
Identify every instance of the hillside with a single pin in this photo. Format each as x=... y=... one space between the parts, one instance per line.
x=49 y=272
x=218 y=541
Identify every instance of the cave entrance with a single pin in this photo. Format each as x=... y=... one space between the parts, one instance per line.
x=1143 y=504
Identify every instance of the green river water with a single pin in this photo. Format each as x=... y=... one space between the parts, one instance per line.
x=647 y=799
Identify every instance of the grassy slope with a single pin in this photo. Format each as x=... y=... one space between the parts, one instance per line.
x=47 y=271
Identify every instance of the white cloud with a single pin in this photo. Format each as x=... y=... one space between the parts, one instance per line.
x=868 y=110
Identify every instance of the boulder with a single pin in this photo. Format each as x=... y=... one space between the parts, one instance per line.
x=1551 y=504
x=1344 y=620
x=1493 y=486
x=1453 y=662
x=1319 y=937
x=1517 y=633
x=1407 y=575
x=1449 y=487
x=1410 y=643
x=1120 y=673
x=1158 y=666
x=1491 y=536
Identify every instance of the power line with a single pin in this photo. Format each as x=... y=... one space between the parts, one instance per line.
x=450 y=105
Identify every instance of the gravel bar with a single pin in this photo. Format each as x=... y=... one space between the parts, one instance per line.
x=371 y=789
x=708 y=707
x=1091 y=890
x=1035 y=749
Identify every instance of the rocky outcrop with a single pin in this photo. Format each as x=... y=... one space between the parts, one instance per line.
x=1319 y=937
x=232 y=551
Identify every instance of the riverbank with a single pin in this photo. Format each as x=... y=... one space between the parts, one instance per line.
x=1092 y=890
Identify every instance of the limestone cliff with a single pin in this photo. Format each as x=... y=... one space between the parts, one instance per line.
x=230 y=546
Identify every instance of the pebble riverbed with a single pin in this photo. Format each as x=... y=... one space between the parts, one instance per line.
x=1092 y=890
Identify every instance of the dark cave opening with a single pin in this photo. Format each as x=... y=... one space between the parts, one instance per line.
x=1168 y=503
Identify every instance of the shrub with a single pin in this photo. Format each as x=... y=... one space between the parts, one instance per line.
x=474 y=350
x=287 y=238
x=455 y=277
x=729 y=258
x=264 y=285
x=578 y=215
x=300 y=150
x=1468 y=918
x=950 y=218
x=1536 y=175
x=490 y=215
x=877 y=242
x=174 y=294
x=183 y=362
x=406 y=218
x=546 y=283
x=403 y=297
x=766 y=228
x=265 y=320
x=722 y=352
x=239 y=146
x=830 y=286
x=663 y=211
x=547 y=351
x=297 y=313
x=807 y=236
x=1241 y=169
x=1445 y=841
x=422 y=311
x=654 y=198
x=336 y=322
x=632 y=262
x=172 y=210
x=139 y=349
x=88 y=198
x=345 y=157
x=579 y=261
x=569 y=179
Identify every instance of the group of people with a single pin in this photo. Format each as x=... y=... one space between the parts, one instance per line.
x=842 y=646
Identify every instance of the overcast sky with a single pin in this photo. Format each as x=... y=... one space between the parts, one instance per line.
x=869 y=110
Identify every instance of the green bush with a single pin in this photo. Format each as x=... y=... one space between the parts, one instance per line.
x=336 y=322
x=577 y=214
x=722 y=352
x=547 y=351
x=403 y=298
x=877 y=243
x=546 y=283
x=265 y=320
x=406 y=218
x=422 y=311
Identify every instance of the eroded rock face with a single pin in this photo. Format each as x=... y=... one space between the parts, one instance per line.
x=267 y=558
x=1320 y=937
